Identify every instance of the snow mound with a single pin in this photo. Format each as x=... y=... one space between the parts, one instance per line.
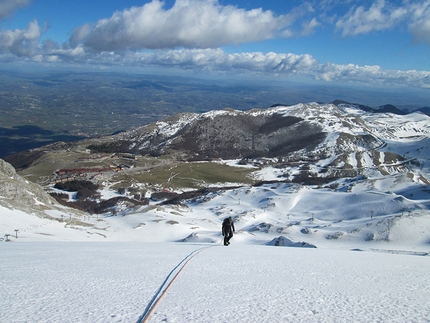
x=196 y=237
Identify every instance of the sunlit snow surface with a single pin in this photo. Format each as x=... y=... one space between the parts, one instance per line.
x=114 y=282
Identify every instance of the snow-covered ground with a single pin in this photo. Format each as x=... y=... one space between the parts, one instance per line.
x=371 y=262
x=115 y=282
x=390 y=210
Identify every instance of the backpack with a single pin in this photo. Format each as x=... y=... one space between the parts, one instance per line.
x=226 y=225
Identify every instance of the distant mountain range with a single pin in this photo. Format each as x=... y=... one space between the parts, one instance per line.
x=308 y=171
x=343 y=139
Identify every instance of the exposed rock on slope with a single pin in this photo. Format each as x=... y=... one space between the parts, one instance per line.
x=16 y=188
x=328 y=173
x=338 y=136
x=238 y=135
x=18 y=193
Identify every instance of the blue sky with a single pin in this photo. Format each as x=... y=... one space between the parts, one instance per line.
x=373 y=43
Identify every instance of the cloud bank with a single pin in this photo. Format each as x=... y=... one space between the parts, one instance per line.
x=246 y=63
x=21 y=42
x=190 y=35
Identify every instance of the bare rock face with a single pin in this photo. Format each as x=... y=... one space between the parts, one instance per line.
x=16 y=192
x=7 y=170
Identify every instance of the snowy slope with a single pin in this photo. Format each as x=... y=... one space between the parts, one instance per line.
x=299 y=213
x=114 y=282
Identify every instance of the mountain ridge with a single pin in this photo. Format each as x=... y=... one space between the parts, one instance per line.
x=343 y=137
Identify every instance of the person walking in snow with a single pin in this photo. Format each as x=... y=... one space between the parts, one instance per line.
x=227 y=230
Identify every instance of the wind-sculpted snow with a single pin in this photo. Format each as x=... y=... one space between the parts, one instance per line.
x=297 y=285
x=411 y=127
x=357 y=250
x=369 y=212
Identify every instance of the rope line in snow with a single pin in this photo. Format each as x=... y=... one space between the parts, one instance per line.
x=167 y=283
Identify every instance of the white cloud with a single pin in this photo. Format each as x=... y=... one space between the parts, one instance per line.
x=77 y=52
x=208 y=24
x=383 y=15
x=8 y=6
x=218 y=60
x=309 y=28
x=246 y=63
x=79 y=34
x=420 y=26
x=189 y=24
x=194 y=30
x=379 y=16
x=21 y=42
x=282 y=64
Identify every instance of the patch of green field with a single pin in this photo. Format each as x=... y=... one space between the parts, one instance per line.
x=44 y=169
x=187 y=175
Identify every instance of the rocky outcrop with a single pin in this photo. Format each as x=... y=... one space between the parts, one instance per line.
x=16 y=192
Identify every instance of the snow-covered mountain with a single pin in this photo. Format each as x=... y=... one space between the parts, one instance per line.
x=347 y=190
x=326 y=174
x=325 y=140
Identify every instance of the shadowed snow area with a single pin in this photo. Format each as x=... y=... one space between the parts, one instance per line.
x=114 y=282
